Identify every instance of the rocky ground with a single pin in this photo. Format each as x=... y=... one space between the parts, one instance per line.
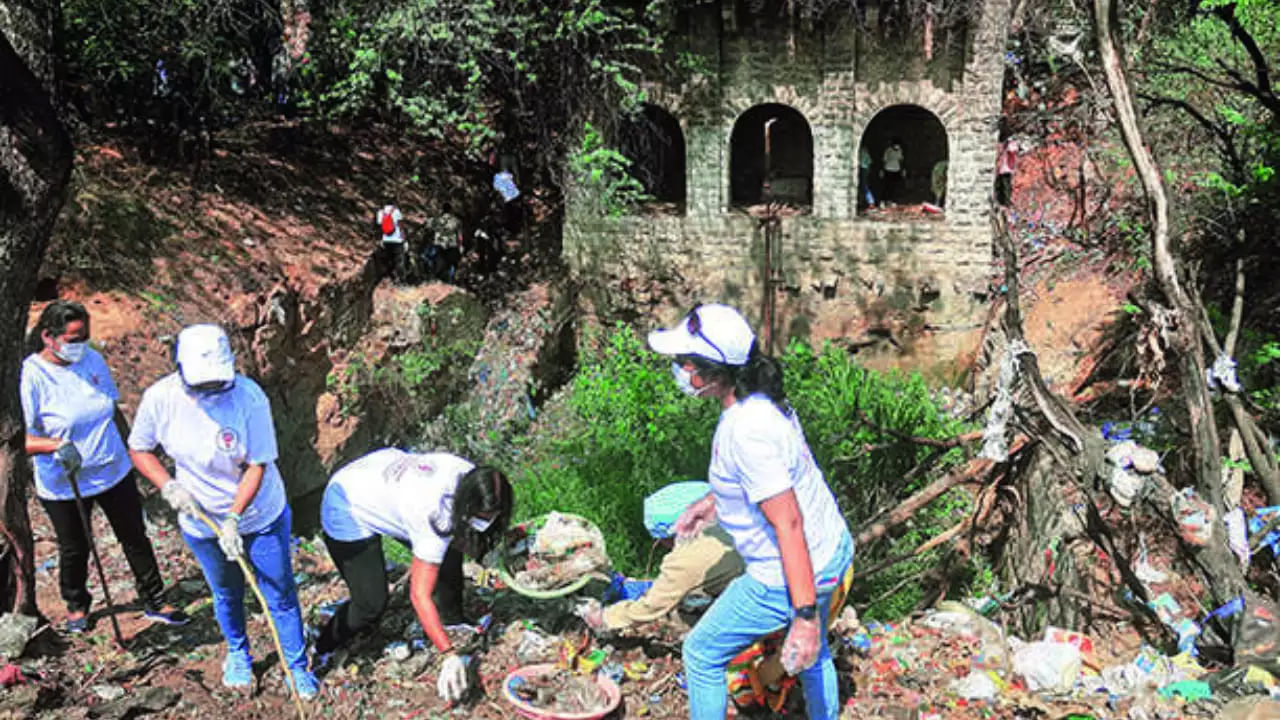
x=949 y=663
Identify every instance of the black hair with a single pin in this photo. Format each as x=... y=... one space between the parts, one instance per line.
x=762 y=374
x=55 y=318
x=483 y=490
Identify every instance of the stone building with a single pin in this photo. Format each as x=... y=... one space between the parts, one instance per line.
x=752 y=158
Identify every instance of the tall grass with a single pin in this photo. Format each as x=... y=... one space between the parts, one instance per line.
x=625 y=430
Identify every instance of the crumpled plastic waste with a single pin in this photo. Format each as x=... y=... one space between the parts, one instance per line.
x=1195 y=516
x=1222 y=374
x=1048 y=666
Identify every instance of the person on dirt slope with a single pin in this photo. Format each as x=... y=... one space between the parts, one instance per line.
x=216 y=425
x=427 y=502
x=448 y=237
x=768 y=493
x=74 y=427
x=394 y=252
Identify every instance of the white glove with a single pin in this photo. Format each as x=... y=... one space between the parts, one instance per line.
x=178 y=498
x=68 y=456
x=452 y=683
x=229 y=538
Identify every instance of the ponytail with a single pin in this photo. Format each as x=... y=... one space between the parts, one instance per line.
x=54 y=319
x=762 y=374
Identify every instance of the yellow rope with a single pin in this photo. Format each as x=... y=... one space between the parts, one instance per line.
x=262 y=600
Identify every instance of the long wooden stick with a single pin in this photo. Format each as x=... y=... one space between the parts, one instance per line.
x=97 y=561
x=247 y=569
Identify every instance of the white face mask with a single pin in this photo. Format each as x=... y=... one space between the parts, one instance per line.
x=71 y=352
x=684 y=381
x=480 y=524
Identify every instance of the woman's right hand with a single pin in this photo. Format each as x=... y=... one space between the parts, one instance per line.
x=695 y=518
x=179 y=498
x=68 y=456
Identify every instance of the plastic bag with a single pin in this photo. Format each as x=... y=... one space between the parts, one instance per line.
x=1053 y=667
x=1195 y=517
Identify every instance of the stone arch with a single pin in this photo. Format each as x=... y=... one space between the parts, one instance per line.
x=654 y=143
x=771 y=157
x=924 y=145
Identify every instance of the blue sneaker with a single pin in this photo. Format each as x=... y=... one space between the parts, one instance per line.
x=237 y=671
x=307 y=685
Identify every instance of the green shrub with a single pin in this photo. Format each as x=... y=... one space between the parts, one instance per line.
x=629 y=431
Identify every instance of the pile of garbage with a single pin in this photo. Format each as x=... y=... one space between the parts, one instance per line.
x=556 y=550
x=954 y=662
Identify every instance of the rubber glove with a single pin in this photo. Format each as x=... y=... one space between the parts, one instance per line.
x=800 y=649
x=178 y=497
x=67 y=456
x=452 y=683
x=229 y=537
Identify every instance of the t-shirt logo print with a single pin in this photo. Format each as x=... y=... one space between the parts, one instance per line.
x=227 y=440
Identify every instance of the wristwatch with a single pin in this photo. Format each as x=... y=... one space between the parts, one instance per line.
x=808 y=612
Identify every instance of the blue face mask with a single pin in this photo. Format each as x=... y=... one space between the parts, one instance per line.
x=71 y=352
x=684 y=381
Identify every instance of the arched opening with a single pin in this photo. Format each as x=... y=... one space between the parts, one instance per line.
x=651 y=139
x=771 y=157
x=902 y=161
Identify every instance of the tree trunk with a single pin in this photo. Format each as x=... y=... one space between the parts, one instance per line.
x=35 y=165
x=1222 y=571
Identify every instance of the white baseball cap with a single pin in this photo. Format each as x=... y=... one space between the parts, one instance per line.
x=204 y=355
x=716 y=332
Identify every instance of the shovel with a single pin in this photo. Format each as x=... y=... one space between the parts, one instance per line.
x=97 y=561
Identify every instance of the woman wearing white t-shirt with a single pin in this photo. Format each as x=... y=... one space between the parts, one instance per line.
x=216 y=426
x=439 y=505
x=770 y=496
x=73 y=429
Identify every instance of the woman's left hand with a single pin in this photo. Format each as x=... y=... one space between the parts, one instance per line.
x=229 y=538
x=800 y=649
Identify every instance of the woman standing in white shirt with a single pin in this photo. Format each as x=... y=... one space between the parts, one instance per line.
x=73 y=429
x=770 y=496
x=216 y=426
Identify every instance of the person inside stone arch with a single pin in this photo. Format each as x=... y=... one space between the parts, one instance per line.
x=894 y=172
x=439 y=505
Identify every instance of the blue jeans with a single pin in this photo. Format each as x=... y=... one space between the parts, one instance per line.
x=745 y=612
x=268 y=554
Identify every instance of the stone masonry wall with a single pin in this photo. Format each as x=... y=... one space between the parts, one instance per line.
x=921 y=285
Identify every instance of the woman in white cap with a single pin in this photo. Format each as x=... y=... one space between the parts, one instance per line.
x=438 y=504
x=74 y=432
x=768 y=493
x=216 y=426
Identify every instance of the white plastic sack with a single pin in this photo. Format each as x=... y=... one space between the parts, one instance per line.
x=1125 y=486
x=975 y=686
x=1052 y=667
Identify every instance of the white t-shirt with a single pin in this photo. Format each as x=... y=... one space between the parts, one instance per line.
x=211 y=439
x=505 y=183
x=395 y=238
x=893 y=159
x=76 y=402
x=365 y=498
x=758 y=453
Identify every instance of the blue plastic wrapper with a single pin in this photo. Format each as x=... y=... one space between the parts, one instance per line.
x=1259 y=520
x=620 y=588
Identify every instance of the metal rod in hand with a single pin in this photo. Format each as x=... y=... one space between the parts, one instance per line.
x=97 y=561
x=247 y=569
